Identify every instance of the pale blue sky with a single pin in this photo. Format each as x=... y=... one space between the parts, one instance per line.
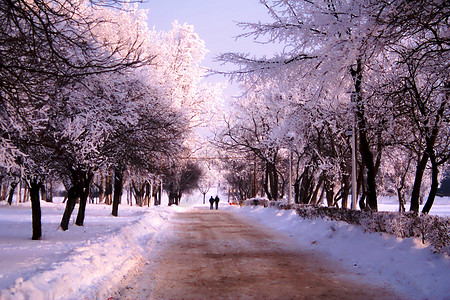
x=214 y=21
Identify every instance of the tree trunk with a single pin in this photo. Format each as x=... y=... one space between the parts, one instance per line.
x=19 y=192
x=172 y=196
x=25 y=194
x=158 y=197
x=138 y=192
x=35 y=209
x=266 y=185
x=345 y=190
x=11 y=192
x=297 y=191
x=51 y=191
x=305 y=187
x=364 y=148
x=316 y=191
x=178 y=198
x=43 y=192
x=401 y=201
x=434 y=185
x=118 y=189
x=101 y=189
x=72 y=196
x=329 y=193
x=84 y=194
x=274 y=181
x=415 y=195
x=108 y=189
x=4 y=191
x=147 y=193
x=430 y=138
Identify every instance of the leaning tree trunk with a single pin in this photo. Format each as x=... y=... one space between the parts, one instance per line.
x=316 y=191
x=434 y=185
x=118 y=190
x=401 y=201
x=72 y=196
x=415 y=195
x=430 y=137
x=35 y=209
x=84 y=194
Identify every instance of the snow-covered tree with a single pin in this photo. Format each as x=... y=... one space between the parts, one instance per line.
x=333 y=48
x=45 y=46
x=416 y=33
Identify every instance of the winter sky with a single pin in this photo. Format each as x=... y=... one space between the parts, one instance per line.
x=215 y=21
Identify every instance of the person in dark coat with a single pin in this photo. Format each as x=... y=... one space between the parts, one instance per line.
x=216 y=200
x=211 y=202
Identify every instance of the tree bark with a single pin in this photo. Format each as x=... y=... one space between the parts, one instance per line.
x=101 y=189
x=11 y=192
x=401 y=201
x=108 y=189
x=35 y=209
x=84 y=194
x=316 y=191
x=138 y=192
x=172 y=196
x=430 y=138
x=306 y=186
x=415 y=195
x=4 y=191
x=72 y=196
x=297 y=191
x=329 y=193
x=118 y=190
x=345 y=190
x=147 y=193
x=434 y=185
x=158 y=197
x=364 y=148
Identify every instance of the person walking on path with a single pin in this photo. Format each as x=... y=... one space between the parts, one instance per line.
x=211 y=202
x=217 y=202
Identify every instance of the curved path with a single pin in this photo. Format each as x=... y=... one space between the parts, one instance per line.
x=217 y=255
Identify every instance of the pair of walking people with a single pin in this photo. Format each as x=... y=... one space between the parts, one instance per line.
x=212 y=201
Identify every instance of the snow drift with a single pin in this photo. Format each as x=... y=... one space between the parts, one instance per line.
x=93 y=269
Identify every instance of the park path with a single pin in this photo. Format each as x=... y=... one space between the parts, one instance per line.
x=217 y=255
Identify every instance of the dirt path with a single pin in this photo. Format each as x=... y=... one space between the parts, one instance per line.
x=215 y=255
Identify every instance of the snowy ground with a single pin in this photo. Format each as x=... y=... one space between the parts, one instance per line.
x=87 y=262
x=83 y=262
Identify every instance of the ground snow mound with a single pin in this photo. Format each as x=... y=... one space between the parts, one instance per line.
x=91 y=271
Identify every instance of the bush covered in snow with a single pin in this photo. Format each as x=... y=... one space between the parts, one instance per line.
x=256 y=202
x=433 y=230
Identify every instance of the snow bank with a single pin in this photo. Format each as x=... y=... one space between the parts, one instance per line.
x=92 y=268
x=408 y=266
